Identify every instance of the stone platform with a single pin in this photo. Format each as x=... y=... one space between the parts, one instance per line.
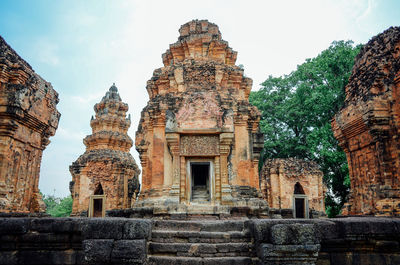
x=365 y=240
x=191 y=211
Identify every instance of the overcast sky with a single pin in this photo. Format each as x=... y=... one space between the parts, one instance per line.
x=82 y=47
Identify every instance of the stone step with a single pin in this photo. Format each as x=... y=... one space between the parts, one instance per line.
x=206 y=197
x=199 y=237
x=199 y=225
x=165 y=260
x=201 y=249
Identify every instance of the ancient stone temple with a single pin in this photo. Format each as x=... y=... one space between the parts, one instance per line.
x=293 y=187
x=198 y=136
x=28 y=117
x=368 y=128
x=105 y=177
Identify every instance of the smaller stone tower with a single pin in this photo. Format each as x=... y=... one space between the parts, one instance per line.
x=293 y=187
x=105 y=177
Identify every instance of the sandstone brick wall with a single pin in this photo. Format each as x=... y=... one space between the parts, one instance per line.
x=28 y=117
x=367 y=128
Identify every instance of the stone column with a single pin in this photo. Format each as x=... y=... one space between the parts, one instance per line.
x=157 y=175
x=182 y=193
x=224 y=149
x=217 y=176
x=173 y=143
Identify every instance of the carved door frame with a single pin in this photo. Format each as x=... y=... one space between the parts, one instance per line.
x=306 y=209
x=91 y=204
x=189 y=162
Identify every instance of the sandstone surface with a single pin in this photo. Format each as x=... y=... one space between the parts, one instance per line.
x=368 y=128
x=106 y=169
x=28 y=117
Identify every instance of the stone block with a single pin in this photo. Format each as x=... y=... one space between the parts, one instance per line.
x=288 y=254
x=34 y=240
x=158 y=260
x=13 y=226
x=129 y=252
x=137 y=229
x=43 y=257
x=42 y=225
x=228 y=261
x=102 y=228
x=293 y=234
x=97 y=251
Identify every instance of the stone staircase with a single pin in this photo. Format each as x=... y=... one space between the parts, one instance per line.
x=202 y=242
x=200 y=194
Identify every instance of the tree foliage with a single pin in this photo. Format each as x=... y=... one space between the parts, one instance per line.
x=296 y=116
x=58 y=207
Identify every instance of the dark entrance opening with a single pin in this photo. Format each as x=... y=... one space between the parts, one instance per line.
x=299 y=204
x=98 y=207
x=98 y=201
x=200 y=172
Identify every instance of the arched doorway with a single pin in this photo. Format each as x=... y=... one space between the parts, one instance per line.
x=97 y=202
x=300 y=202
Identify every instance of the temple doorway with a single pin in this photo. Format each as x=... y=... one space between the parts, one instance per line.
x=300 y=202
x=200 y=180
x=97 y=203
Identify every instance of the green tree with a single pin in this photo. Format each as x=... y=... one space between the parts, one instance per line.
x=296 y=117
x=58 y=207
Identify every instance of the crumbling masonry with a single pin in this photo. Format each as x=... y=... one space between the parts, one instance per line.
x=293 y=187
x=28 y=117
x=368 y=128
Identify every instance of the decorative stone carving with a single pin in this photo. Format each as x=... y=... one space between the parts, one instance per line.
x=198 y=109
x=106 y=171
x=28 y=117
x=368 y=128
x=199 y=145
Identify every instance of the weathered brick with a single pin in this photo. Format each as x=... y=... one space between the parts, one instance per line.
x=28 y=118
x=367 y=128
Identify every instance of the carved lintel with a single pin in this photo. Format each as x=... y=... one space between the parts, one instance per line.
x=199 y=145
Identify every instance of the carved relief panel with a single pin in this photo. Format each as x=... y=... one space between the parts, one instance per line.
x=199 y=145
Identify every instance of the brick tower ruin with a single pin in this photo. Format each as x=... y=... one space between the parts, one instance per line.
x=28 y=117
x=105 y=177
x=293 y=187
x=368 y=128
x=198 y=136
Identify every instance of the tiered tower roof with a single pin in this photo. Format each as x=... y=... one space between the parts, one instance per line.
x=110 y=125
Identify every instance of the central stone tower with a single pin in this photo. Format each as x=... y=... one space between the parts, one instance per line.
x=198 y=136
